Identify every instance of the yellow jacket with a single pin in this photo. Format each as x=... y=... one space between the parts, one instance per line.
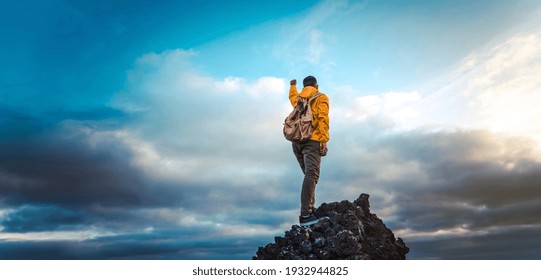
x=320 y=110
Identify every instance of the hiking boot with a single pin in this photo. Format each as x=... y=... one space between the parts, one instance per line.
x=308 y=220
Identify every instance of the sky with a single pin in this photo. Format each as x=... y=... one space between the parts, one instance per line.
x=152 y=129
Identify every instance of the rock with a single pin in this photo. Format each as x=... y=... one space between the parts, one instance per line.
x=306 y=247
x=320 y=242
x=348 y=231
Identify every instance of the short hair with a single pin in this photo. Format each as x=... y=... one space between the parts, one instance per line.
x=309 y=81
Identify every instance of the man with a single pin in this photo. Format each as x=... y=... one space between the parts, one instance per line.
x=309 y=153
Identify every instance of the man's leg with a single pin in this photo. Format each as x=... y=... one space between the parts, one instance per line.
x=312 y=163
x=297 y=150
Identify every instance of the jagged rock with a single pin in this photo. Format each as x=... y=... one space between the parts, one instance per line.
x=348 y=231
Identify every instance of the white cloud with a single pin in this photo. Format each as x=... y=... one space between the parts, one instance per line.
x=498 y=89
x=195 y=128
x=79 y=235
x=400 y=109
x=267 y=86
x=316 y=47
x=230 y=129
x=304 y=39
x=504 y=88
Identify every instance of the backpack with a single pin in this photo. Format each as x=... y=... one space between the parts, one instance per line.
x=298 y=125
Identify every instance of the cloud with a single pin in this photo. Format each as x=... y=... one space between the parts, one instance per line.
x=303 y=41
x=185 y=154
x=508 y=244
x=430 y=187
x=496 y=89
x=35 y=218
x=190 y=124
x=316 y=47
x=62 y=167
x=428 y=160
x=503 y=86
x=160 y=246
x=94 y=204
x=454 y=166
x=193 y=166
x=394 y=108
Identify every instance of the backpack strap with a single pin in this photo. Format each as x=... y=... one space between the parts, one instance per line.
x=311 y=98
x=314 y=96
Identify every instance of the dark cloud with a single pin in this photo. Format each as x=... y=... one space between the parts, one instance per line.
x=58 y=180
x=61 y=179
x=514 y=243
x=158 y=245
x=31 y=218
x=459 y=184
x=62 y=167
x=55 y=178
x=479 y=174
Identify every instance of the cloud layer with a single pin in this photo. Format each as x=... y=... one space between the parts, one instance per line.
x=184 y=164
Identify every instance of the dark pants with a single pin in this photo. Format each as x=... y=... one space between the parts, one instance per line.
x=309 y=158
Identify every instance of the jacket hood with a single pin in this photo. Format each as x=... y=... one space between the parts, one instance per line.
x=308 y=92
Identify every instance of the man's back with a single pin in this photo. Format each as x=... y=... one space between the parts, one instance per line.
x=320 y=111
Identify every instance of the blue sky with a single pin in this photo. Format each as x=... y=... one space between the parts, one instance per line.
x=152 y=129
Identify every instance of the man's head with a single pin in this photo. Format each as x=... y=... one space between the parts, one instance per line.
x=309 y=81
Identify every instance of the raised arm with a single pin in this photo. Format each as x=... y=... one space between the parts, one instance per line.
x=293 y=93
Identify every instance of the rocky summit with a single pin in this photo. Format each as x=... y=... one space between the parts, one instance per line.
x=347 y=231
